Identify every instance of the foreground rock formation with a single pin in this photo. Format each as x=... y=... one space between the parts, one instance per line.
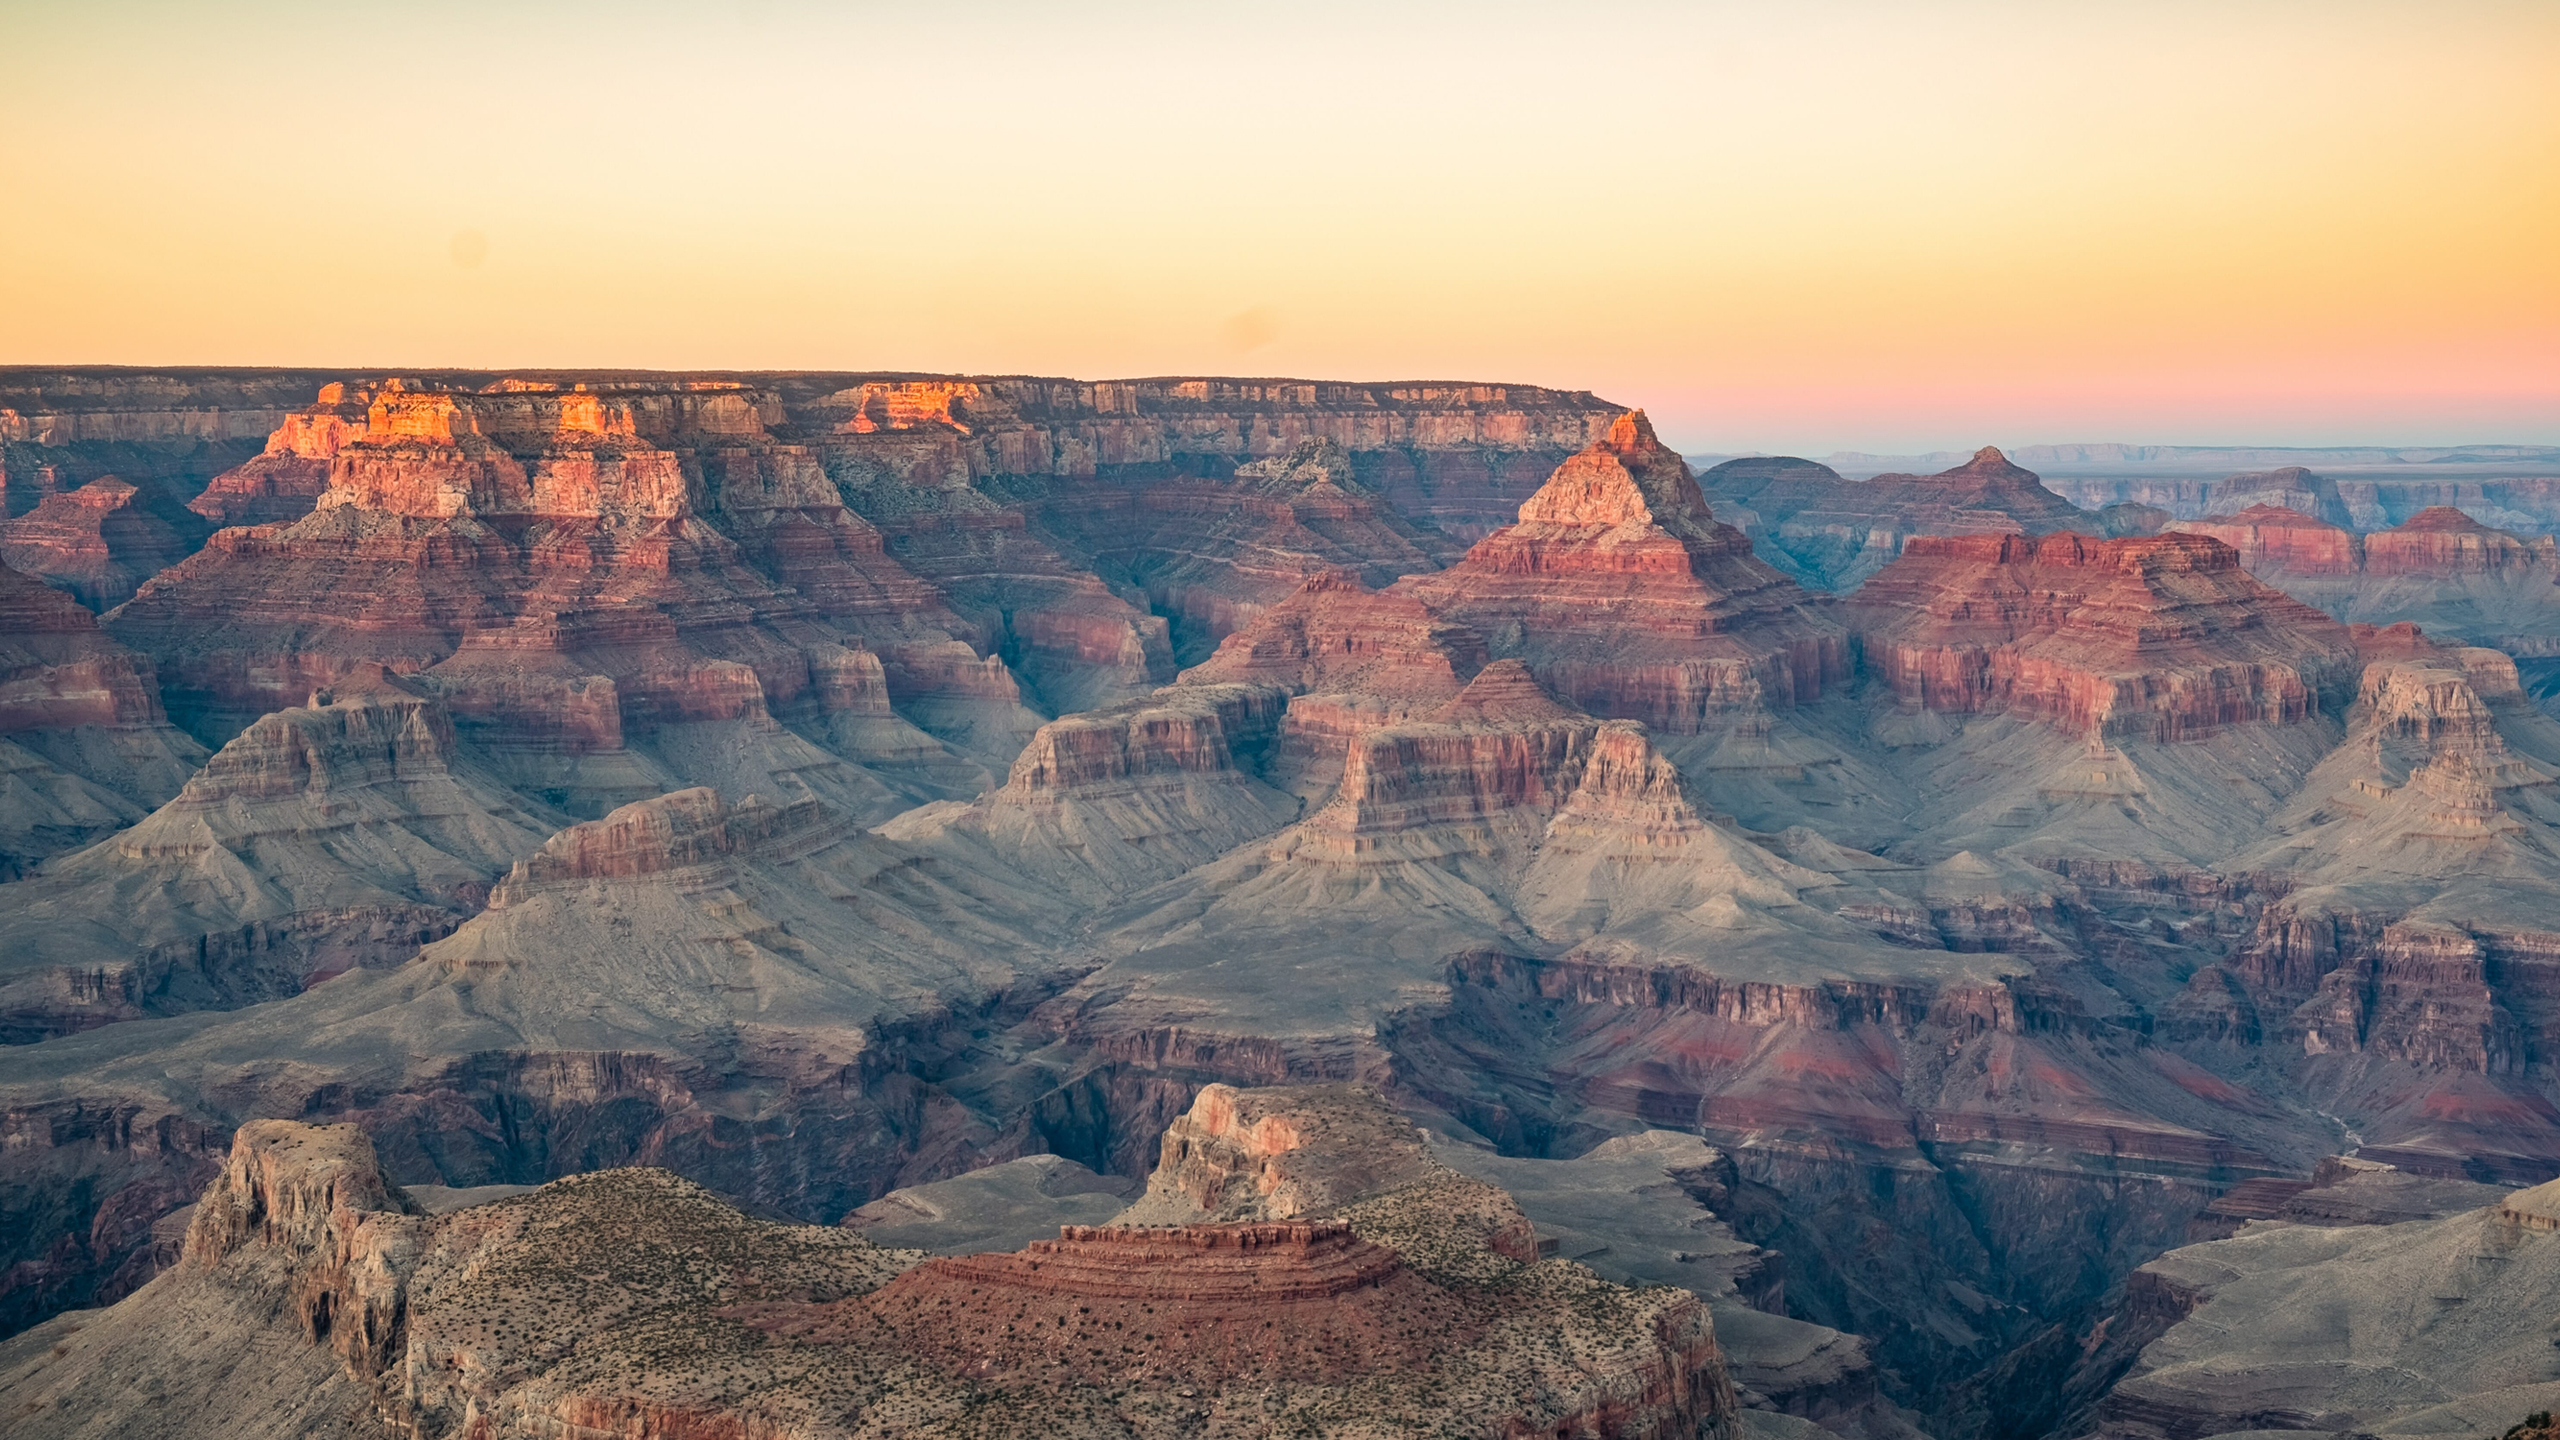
x=314 y=1297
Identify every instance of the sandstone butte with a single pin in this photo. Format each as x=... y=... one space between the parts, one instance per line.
x=2162 y=636
x=1623 y=595
x=632 y=1302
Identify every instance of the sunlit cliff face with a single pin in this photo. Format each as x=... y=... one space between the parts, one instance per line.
x=1853 y=223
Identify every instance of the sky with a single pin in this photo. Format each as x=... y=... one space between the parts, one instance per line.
x=1806 y=226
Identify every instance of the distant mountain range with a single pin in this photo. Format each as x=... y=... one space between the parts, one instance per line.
x=2217 y=458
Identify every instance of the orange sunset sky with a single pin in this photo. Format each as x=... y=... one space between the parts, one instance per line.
x=1801 y=226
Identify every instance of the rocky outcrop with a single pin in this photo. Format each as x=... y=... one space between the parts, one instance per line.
x=531 y=541
x=84 y=747
x=2163 y=638
x=97 y=543
x=1115 y=799
x=1286 y=1153
x=1624 y=596
x=682 y=1316
x=2446 y=1308
x=281 y=483
x=340 y=834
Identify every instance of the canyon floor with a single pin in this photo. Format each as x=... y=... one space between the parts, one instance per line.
x=792 y=904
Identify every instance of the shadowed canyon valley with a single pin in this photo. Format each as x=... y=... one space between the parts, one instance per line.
x=793 y=905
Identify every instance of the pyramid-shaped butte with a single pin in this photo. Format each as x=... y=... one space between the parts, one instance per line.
x=1623 y=595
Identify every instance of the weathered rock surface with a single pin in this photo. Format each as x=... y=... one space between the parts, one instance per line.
x=629 y=1299
x=84 y=747
x=1624 y=596
x=529 y=540
x=2425 y=1327
x=97 y=543
x=282 y=483
x=2161 y=638
x=341 y=834
x=1213 y=555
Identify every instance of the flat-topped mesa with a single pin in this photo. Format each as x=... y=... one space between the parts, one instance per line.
x=2289 y=487
x=646 y=837
x=1249 y=1264
x=2274 y=539
x=1182 y=732
x=2443 y=541
x=2162 y=637
x=1624 y=595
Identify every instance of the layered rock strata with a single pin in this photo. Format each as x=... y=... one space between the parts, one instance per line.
x=2162 y=638
x=1624 y=596
x=84 y=747
x=97 y=543
x=539 y=536
x=339 y=834
x=1213 y=555
x=662 y=1310
x=282 y=483
x=2440 y=569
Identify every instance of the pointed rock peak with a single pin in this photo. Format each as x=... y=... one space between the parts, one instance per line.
x=1988 y=463
x=1627 y=478
x=1504 y=693
x=1631 y=432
